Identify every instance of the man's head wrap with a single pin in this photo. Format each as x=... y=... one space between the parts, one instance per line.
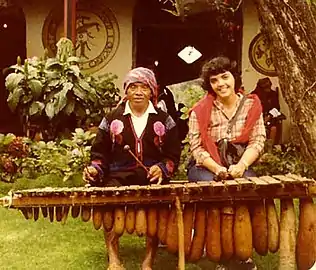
x=145 y=76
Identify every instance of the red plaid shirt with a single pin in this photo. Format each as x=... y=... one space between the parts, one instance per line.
x=218 y=129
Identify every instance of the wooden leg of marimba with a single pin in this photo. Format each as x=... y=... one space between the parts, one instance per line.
x=306 y=236
x=181 y=263
x=287 y=235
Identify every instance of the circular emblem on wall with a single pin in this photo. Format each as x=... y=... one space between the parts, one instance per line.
x=97 y=34
x=260 y=56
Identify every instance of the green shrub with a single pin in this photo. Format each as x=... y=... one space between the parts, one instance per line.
x=22 y=157
x=283 y=159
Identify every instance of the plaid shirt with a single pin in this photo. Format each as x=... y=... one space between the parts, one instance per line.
x=218 y=129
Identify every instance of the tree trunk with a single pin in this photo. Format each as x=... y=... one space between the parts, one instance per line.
x=291 y=30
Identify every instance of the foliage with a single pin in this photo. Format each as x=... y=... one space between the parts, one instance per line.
x=189 y=7
x=190 y=96
x=108 y=95
x=226 y=13
x=184 y=160
x=10 y=159
x=283 y=159
x=24 y=157
x=51 y=93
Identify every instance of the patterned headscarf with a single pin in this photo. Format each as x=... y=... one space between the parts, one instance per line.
x=142 y=75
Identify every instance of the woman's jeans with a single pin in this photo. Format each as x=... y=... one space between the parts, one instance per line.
x=197 y=173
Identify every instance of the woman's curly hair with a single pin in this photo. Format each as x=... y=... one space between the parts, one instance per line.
x=216 y=66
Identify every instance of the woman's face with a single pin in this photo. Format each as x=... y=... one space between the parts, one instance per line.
x=138 y=94
x=223 y=84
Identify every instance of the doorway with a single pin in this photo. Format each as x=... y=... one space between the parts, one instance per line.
x=159 y=36
x=12 y=45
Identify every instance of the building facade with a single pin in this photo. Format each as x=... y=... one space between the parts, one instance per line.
x=116 y=35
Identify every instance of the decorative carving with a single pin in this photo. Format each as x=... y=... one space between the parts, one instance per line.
x=97 y=34
x=260 y=56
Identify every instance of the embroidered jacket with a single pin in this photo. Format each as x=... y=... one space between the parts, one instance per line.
x=108 y=154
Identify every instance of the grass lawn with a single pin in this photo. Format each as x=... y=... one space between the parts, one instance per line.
x=25 y=244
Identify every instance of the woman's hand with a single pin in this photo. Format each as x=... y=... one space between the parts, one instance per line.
x=237 y=170
x=90 y=174
x=155 y=173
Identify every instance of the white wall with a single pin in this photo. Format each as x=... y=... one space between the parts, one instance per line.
x=249 y=75
x=35 y=12
x=121 y=63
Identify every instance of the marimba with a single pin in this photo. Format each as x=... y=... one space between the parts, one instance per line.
x=229 y=218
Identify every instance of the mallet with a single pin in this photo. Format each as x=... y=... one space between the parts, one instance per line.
x=128 y=149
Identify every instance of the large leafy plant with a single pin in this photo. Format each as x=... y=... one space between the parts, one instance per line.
x=52 y=94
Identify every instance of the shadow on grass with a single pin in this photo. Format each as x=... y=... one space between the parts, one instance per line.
x=132 y=253
x=133 y=257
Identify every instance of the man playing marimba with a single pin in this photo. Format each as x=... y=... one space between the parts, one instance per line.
x=136 y=144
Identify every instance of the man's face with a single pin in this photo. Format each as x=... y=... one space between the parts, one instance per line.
x=138 y=94
x=223 y=84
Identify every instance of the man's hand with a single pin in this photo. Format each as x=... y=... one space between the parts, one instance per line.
x=237 y=170
x=90 y=174
x=155 y=173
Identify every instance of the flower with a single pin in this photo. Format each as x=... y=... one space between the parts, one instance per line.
x=116 y=127
x=159 y=128
x=76 y=153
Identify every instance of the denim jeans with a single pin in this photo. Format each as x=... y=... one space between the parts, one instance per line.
x=197 y=173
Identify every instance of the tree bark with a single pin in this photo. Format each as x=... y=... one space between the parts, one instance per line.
x=291 y=30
